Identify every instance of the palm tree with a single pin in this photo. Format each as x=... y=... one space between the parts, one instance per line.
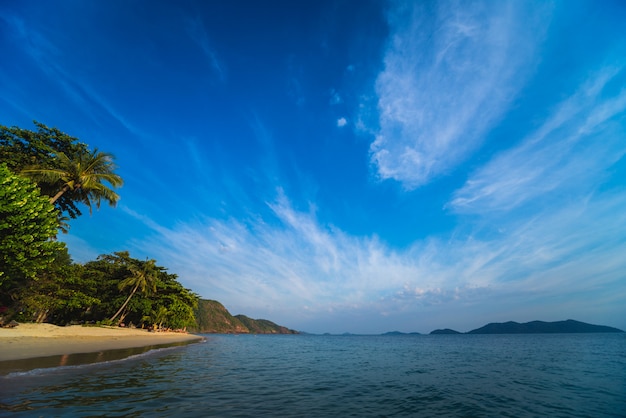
x=157 y=317
x=143 y=279
x=82 y=175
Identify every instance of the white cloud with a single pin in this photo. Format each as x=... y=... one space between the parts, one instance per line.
x=341 y=122
x=449 y=76
x=568 y=153
x=48 y=56
x=335 y=98
x=293 y=269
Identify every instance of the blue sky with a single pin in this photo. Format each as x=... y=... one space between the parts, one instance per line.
x=349 y=166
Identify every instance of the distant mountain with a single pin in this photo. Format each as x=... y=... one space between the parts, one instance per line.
x=444 y=331
x=540 y=327
x=213 y=317
x=400 y=333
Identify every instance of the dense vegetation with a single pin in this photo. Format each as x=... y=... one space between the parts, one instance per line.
x=44 y=176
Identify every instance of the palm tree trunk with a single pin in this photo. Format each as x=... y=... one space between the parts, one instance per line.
x=59 y=194
x=41 y=316
x=125 y=303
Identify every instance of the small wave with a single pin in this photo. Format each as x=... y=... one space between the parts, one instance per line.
x=62 y=363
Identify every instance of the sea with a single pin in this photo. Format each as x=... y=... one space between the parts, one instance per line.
x=529 y=375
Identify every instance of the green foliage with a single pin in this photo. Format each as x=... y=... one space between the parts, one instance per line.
x=157 y=317
x=80 y=176
x=143 y=276
x=65 y=292
x=60 y=295
x=65 y=169
x=119 y=272
x=22 y=148
x=180 y=302
x=28 y=222
x=180 y=315
x=37 y=277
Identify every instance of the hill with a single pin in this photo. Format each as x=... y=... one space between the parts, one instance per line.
x=540 y=327
x=445 y=331
x=213 y=317
x=263 y=326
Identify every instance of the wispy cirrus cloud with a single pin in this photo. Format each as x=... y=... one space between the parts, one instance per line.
x=197 y=32
x=290 y=267
x=50 y=59
x=568 y=154
x=451 y=71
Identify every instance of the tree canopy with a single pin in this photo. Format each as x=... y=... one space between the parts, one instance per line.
x=27 y=224
x=82 y=176
x=43 y=174
x=98 y=292
x=64 y=168
x=155 y=296
x=142 y=278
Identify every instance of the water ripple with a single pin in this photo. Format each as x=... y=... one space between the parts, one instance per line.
x=360 y=376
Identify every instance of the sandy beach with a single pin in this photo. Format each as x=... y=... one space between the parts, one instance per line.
x=28 y=341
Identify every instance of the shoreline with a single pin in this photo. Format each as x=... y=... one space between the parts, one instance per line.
x=36 y=341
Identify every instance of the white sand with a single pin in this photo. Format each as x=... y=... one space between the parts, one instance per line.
x=40 y=340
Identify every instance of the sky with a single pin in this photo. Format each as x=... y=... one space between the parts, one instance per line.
x=347 y=166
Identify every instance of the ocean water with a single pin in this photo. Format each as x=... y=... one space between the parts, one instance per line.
x=558 y=375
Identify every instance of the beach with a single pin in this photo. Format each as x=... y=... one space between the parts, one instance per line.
x=27 y=341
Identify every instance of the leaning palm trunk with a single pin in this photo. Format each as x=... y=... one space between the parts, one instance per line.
x=123 y=316
x=59 y=194
x=125 y=303
x=42 y=315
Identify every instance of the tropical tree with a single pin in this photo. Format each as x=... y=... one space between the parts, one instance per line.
x=22 y=148
x=82 y=176
x=143 y=278
x=170 y=305
x=180 y=302
x=59 y=295
x=182 y=313
x=158 y=317
x=28 y=222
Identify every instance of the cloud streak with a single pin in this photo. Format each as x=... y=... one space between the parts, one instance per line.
x=570 y=152
x=450 y=74
x=291 y=268
x=197 y=32
x=49 y=59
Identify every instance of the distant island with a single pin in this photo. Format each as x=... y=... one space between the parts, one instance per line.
x=447 y=331
x=534 y=327
x=539 y=327
x=213 y=318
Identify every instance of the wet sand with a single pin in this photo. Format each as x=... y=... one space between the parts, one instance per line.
x=29 y=341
